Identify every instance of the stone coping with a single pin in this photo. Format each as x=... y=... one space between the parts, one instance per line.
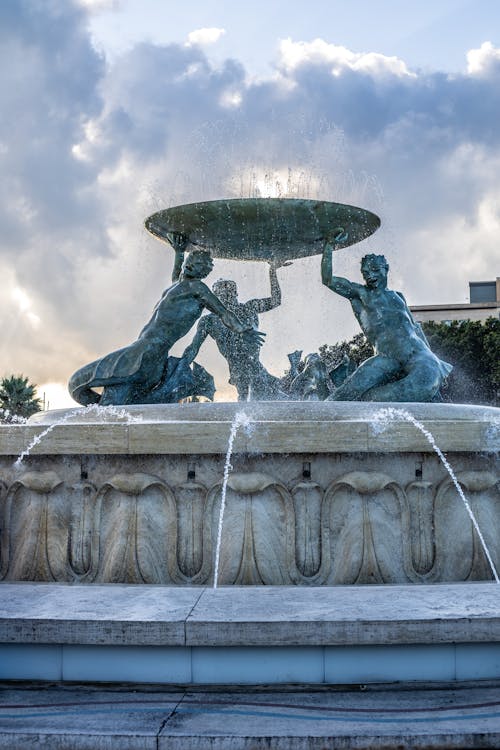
x=263 y=411
x=116 y=614
x=275 y=428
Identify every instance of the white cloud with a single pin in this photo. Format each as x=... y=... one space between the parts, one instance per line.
x=458 y=249
x=231 y=98
x=24 y=304
x=97 y=6
x=21 y=298
x=482 y=61
x=318 y=52
x=205 y=36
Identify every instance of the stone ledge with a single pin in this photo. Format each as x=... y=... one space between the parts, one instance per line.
x=209 y=438
x=40 y=613
x=326 y=427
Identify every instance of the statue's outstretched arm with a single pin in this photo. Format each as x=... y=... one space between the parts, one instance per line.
x=229 y=319
x=337 y=284
x=179 y=242
x=269 y=303
x=193 y=348
x=215 y=306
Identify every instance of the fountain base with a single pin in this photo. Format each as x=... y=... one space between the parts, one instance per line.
x=318 y=494
x=261 y=635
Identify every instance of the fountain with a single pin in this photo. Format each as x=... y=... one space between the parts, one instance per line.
x=315 y=496
x=310 y=497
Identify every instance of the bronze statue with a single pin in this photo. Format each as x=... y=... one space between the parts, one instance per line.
x=143 y=372
x=241 y=351
x=311 y=382
x=404 y=368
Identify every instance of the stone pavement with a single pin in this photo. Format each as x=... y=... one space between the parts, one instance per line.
x=126 y=718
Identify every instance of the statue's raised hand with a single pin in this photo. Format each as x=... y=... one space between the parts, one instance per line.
x=338 y=236
x=253 y=336
x=178 y=240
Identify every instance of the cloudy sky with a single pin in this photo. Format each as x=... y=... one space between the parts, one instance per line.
x=113 y=109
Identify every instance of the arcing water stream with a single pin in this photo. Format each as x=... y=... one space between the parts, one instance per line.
x=240 y=420
x=380 y=420
x=112 y=411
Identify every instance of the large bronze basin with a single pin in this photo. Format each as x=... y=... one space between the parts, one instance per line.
x=265 y=228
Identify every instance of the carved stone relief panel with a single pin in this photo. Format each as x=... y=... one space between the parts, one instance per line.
x=37 y=516
x=367 y=516
x=137 y=530
x=4 y=532
x=307 y=499
x=459 y=551
x=278 y=529
x=258 y=533
x=420 y=496
x=83 y=536
x=192 y=542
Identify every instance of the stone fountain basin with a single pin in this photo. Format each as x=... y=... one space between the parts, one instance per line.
x=315 y=496
x=265 y=228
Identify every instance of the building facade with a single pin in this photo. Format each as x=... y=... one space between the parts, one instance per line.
x=484 y=303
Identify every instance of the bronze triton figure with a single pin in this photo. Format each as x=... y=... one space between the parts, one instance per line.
x=404 y=368
x=143 y=372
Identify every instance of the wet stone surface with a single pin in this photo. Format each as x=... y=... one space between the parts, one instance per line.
x=97 y=717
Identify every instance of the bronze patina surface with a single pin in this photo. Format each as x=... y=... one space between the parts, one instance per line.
x=265 y=228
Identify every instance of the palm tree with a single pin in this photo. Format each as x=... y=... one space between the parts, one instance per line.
x=17 y=398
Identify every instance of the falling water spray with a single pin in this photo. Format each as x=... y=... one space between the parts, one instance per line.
x=380 y=420
x=100 y=411
x=240 y=420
